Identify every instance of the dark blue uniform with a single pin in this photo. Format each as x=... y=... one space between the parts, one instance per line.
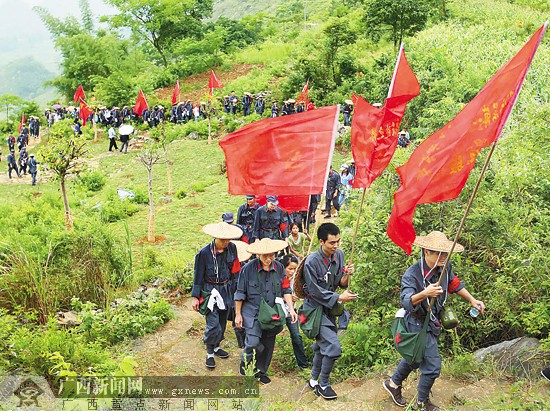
x=269 y=224
x=333 y=183
x=245 y=219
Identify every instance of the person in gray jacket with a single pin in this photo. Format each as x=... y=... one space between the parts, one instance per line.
x=262 y=278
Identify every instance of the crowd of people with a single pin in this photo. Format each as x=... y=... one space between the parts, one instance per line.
x=21 y=161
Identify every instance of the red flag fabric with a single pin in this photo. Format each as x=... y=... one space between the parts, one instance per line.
x=79 y=94
x=304 y=95
x=176 y=93
x=213 y=82
x=289 y=203
x=141 y=103
x=439 y=167
x=374 y=130
x=85 y=112
x=288 y=155
x=23 y=121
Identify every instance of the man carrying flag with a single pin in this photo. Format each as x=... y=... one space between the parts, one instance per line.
x=439 y=167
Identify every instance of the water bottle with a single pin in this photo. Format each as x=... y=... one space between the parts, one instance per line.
x=474 y=312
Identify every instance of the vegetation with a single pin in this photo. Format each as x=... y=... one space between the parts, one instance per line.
x=453 y=48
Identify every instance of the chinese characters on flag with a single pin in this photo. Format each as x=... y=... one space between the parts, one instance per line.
x=374 y=130
x=439 y=167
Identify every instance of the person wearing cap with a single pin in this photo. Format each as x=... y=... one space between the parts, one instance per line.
x=234 y=99
x=226 y=104
x=247 y=102
x=264 y=277
x=20 y=141
x=259 y=105
x=418 y=286
x=270 y=221
x=229 y=218
x=346 y=179
x=23 y=157
x=245 y=216
x=11 y=141
x=331 y=194
x=324 y=271
x=33 y=168
x=12 y=163
x=215 y=264
x=25 y=134
x=347 y=110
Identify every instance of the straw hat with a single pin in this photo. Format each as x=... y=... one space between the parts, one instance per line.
x=223 y=231
x=241 y=250
x=437 y=241
x=266 y=246
x=348 y=101
x=291 y=101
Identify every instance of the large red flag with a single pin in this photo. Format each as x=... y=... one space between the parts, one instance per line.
x=213 y=82
x=374 y=130
x=439 y=167
x=23 y=121
x=85 y=112
x=79 y=94
x=141 y=103
x=289 y=203
x=304 y=95
x=176 y=93
x=288 y=155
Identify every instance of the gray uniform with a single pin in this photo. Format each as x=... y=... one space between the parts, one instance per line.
x=322 y=277
x=214 y=270
x=415 y=279
x=255 y=283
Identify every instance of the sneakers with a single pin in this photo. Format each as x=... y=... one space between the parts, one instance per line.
x=210 y=363
x=327 y=393
x=221 y=353
x=395 y=394
x=264 y=379
x=546 y=373
x=426 y=406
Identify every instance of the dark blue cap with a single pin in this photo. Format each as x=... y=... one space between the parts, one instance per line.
x=228 y=217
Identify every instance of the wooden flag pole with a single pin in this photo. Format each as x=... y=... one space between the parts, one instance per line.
x=355 y=232
x=462 y=222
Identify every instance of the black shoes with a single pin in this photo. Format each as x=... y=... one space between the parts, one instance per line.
x=313 y=388
x=264 y=379
x=395 y=394
x=210 y=362
x=327 y=393
x=546 y=373
x=221 y=353
x=426 y=406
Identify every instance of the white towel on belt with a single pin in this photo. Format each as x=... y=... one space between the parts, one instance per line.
x=279 y=300
x=215 y=298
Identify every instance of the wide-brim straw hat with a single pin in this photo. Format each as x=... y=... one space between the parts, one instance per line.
x=348 y=101
x=291 y=101
x=266 y=246
x=437 y=241
x=241 y=250
x=223 y=231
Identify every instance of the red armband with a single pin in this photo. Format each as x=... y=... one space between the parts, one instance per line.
x=454 y=284
x=236 y=267
x=282 y=226
x=286 y=283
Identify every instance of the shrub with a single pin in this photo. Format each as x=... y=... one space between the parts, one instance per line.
x=92 y=180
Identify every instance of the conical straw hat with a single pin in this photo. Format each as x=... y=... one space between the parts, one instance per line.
x=266 y=246
x=437 y=241
x=223 y=231
x=241 y=250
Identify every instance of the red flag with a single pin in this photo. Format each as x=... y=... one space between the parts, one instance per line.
x=23 y=121
x=287 y=155
x=176 y=93
x=141 y=103
x=439 y=167
x=289 y=203
x=79 y=94
x=304 y=95
x=374 y=131
x=213 y=82
x=85 y=112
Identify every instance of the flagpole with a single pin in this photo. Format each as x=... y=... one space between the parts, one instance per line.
x=355 y=232
x=395 y=70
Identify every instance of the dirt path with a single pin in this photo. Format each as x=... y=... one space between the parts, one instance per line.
x=177 y=349
x=24 y=179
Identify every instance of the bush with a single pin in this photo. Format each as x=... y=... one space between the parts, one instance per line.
x=92 y=180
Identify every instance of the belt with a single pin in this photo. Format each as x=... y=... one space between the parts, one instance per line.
x=269 y=230
x=215 y=283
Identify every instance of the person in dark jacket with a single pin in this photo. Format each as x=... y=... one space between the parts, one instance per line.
x=215 y=264
x=418 y=286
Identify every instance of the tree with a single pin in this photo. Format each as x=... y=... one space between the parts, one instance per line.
x=151 y=154
x=398 y=17
x=337 y=34
x=162 y=22
x=62 y=155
